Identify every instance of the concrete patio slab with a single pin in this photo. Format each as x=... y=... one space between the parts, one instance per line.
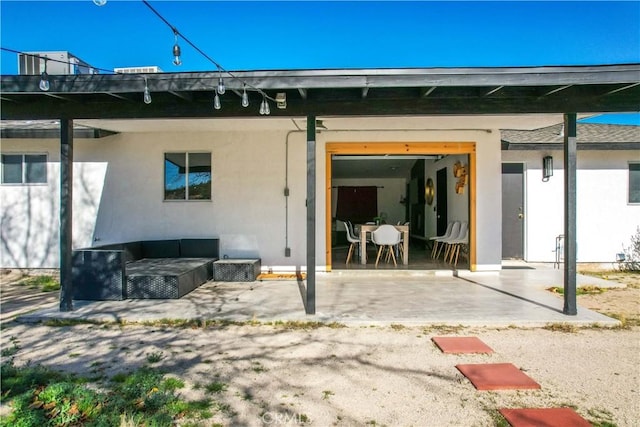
x=511 y=297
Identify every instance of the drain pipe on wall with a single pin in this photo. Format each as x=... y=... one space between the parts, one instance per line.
x=287 y=249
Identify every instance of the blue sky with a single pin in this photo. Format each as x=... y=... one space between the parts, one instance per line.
x=245 y=35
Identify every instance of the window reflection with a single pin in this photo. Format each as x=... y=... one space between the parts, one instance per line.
x=187 y=176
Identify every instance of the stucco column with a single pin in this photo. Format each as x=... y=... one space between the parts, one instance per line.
x=66 y=213
x=570 y=215
x=310 y=305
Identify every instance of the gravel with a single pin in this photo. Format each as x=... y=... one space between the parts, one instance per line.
x=354 y=376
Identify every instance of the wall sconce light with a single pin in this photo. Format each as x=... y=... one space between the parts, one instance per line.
x=547 y=168
x=281 y=100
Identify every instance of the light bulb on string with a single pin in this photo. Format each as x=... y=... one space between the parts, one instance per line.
x=221 y=88
x=245 y=97
x=99 y=2
x=267 y=109
x=216 y=102
x=176 y=50
x=263 y=107
x=147 y=94
x=44 y=79
x=44 y=82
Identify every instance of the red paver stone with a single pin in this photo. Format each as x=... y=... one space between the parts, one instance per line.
x=497 y=376
x=460 y=345
x=544 y=417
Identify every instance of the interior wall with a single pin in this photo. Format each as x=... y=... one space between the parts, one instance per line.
x=458 y=204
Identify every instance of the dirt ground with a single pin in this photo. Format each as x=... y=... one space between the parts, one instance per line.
x=622 y=303
x=354 y=376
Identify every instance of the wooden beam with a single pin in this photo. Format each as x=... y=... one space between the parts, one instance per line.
x=335 y=79
x=47 y=108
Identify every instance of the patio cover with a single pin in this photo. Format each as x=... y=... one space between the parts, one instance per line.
x=567 y=90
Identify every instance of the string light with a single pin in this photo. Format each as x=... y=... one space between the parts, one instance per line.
x=245 y=97
x=176 y=50
x=264 y=107
x=216 y=101
x=147 y=94
x=221 y=88
x=44 y=79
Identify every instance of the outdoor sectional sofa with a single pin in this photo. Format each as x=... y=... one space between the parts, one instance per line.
x=143 y=269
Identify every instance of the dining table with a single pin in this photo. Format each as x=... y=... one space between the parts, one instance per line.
x=368 y=228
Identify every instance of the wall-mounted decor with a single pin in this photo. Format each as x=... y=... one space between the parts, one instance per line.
x=429 y=191
x=460 y=172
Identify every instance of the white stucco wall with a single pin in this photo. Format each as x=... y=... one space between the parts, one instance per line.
x=605 y=219
x=118 y=194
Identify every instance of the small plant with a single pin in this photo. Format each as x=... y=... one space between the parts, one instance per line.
x=155 y=357
x=215 y=387
x=397 y=327
x=631 y=259
x=326 y=394
x=258 y=367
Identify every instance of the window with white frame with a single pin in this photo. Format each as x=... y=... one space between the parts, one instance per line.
x=24 y=168
x=187 y=176
x=634 y=182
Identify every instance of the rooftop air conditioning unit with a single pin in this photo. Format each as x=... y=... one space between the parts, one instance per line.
x=138 y=70
x=57 y=63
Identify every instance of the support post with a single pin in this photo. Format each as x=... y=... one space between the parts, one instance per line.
x=310 y=306
x=570 y=215
x=66 y=213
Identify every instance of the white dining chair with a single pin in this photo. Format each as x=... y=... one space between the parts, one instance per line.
x=457 y=245
x=449 y=243
x=436 y=239
x=386 y=237
x=354 y=243
x=440 y=241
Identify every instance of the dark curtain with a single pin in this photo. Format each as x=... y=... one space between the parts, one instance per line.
x=357 y=204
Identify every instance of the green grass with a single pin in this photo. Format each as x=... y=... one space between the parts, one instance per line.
x=215 y=387
x=581 y=290
x=40 y=396
x=43 y=283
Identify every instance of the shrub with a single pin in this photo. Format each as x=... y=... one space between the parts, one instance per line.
x=632 y=254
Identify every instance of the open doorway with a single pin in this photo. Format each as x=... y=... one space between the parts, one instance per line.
x=403 y=179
